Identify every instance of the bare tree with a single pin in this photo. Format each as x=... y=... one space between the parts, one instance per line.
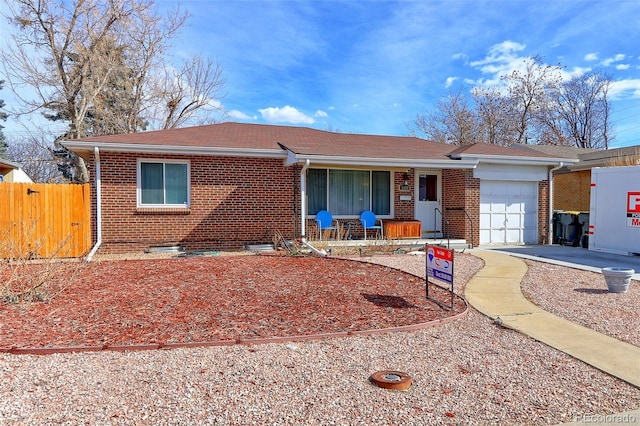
x=177 y=94
x=583 y=109
x=58 y=51
x=497 y=121
x=485 y=115
x=528 y=89
x=34 y=154
x=534 y=106
x=452 y=122
x=92 y=63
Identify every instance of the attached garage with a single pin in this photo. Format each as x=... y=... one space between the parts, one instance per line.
x=508 y=212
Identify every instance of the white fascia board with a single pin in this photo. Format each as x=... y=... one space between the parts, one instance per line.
x=533 y=161
x=178 y=150
x=408 y=163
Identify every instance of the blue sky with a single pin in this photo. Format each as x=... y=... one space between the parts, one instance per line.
x=372 y=66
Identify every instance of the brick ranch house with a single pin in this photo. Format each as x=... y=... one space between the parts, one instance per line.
x=228 y=185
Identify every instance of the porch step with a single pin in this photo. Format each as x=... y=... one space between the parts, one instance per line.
x=452 y=244
x=407 y=243
x=455 y=245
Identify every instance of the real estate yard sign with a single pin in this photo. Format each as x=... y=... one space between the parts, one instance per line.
x=440 y=266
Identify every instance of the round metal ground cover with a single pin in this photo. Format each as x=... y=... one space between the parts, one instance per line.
x=389 y=379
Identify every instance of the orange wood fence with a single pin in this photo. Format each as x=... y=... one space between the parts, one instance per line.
x=39 y=220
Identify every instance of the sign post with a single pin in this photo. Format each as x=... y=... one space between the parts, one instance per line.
x=440 y=266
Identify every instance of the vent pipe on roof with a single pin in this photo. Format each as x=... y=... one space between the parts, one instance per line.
x=95 y=248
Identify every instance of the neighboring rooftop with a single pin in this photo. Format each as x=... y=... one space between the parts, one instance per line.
x=558 y=151
x=11 y=171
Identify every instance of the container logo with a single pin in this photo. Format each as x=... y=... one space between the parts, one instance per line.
x=633 y=209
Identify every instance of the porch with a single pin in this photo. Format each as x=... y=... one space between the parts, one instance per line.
x=351 y=229
x=386 y=246
x=397 y=236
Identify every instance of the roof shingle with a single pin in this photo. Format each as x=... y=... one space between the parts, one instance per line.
x=302 y=141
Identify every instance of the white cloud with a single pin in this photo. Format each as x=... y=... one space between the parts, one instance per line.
x=240 y=115
x=617 y=58
x=320 y=113
x=462 y=56
x=625 y=89
x=574 y=72
x=500 y=53
x=502 y=59
x=505 y=58
x=623 y=67
x=450 y=81
x=591 y=57
x=287 y=114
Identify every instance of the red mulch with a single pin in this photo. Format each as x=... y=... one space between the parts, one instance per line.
x=199 y=299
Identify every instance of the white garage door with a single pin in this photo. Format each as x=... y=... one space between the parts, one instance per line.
x=508 y=212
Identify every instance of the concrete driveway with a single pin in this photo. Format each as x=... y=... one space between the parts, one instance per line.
x=575 y=257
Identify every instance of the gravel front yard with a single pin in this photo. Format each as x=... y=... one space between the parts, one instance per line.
x=467 y=371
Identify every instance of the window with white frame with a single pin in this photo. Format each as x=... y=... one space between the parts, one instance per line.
x=349 y=192
x=163 y=183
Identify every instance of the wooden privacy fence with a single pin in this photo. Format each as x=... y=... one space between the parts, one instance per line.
x=39 y=220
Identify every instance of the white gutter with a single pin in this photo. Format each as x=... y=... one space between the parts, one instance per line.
x=524 y=161
x=303 y=210
x=98 y=206
x=182 y=150
x=550 y=221
x=400 y=163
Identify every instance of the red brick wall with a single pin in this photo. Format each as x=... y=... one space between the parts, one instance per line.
x=543 y=212
x=237 y=201
x=403 y=209
x=234 y=201
x=460 y=190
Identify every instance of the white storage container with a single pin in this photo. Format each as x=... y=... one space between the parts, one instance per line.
x=614 y=218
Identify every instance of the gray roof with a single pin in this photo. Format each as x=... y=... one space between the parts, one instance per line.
x=297 y=144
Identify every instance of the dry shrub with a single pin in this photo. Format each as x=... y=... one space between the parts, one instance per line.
x=25 y=276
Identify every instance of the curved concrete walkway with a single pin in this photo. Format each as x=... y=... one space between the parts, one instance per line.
x=495 y=292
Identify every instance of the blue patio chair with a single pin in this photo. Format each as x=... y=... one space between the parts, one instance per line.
x=324 y=220
x=368 y=221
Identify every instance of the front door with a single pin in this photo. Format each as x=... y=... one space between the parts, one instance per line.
x=428 y=191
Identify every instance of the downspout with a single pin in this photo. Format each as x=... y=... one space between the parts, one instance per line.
x=95 y=248
x=303 y=196
x=550 y=226
x=303 y=210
